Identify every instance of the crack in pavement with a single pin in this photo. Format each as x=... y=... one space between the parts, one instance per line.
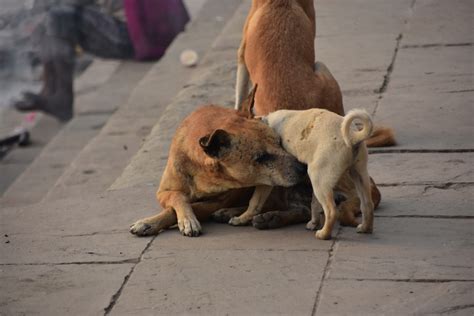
x=409 y=280
x=437 y=45
x=427 y=216
x=386 y=78
x=420 y=151
x=331 y=252
x=133 y=260
x=116 y=296
x=437 y=184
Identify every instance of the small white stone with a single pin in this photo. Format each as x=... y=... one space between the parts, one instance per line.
x=189 y=58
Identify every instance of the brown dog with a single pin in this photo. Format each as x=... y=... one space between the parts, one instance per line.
x=277 y=53
x=214 y=151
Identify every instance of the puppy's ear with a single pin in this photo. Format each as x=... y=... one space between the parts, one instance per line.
x=249 y=102
x=216 y=144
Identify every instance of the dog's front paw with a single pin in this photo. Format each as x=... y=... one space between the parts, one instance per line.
x=323 y=235
x=238 y=221
x=142 y=228
x=312 y=225
x=364 y=229
x=189 y=227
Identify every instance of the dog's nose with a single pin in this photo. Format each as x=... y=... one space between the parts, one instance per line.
x=301 y=168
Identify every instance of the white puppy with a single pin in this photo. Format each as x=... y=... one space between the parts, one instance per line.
x=329 y=144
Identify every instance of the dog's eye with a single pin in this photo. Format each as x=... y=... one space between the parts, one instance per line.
x=264 y=157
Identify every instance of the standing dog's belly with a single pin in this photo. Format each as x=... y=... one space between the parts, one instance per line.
x=281 y=63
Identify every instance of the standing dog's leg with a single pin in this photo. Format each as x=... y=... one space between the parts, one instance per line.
x=315 y=214
x=323 y=180
x=361 y=179
x=255 y=206
x=243 y=78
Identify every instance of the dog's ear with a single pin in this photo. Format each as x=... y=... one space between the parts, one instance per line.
x=216 y=144
x=249 y=102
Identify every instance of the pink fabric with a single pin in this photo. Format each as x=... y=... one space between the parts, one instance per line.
x=153 y=24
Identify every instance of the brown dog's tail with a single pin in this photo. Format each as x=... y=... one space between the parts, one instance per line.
x=382 y=136
x=352 y=137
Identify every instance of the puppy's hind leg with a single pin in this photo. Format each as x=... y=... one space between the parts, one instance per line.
x=361 y=179
x=323 y=181
x=315 y=214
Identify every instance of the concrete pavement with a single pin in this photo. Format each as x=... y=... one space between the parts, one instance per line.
x=410 y=62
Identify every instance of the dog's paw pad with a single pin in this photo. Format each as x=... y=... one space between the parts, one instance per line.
x=141 y=228
x=237 y=221
x=190 y=227
x=320 y=234
x=363 y=229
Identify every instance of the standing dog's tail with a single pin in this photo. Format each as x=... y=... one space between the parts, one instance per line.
x=351 y=137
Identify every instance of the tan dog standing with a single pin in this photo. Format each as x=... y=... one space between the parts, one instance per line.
x=325 y=142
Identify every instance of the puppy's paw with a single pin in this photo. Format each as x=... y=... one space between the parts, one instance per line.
x=225 y=214
x=312 y=225
x=189 y=227
x=320 y=234
x=268 y=220
x=142 y=228
x=364 y=229
x=238 y=221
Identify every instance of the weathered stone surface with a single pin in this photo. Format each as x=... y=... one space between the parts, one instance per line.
x=349 y=297
x=225 y=282
x=61 y=247
x=59 y=290
x=427 y=200
x=421 y=168
x=224 y=237
x=420 y=120
x=441 y=22
x=361 y=18
x=90 y=214
x=408 y=248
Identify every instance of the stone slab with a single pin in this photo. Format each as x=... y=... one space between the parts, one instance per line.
x=435 y=121
x=349 y=297
x=407 y=249
x=61 y=247
x=108 y=212
x=226 y=237
x=415 y=168
x=427 y=200
x=361 y=17
x=366 y=57
x=436 y=68
x=59 y=290
x=441 y=22
x=225 y=282
x=43 y=172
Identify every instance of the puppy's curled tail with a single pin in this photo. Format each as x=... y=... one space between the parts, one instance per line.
x=351 y=137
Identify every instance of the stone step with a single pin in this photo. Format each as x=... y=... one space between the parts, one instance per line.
x=94 y=105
